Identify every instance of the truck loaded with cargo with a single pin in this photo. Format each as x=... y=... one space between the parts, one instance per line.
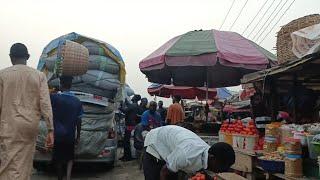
x=98 y=81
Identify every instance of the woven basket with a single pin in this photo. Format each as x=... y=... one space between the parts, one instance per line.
x=284 y=42
x=74 y=59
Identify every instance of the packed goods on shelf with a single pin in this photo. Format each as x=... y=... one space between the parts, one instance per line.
x=283 y=148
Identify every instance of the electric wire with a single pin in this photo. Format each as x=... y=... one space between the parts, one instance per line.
x=234 y=22
x=277 y=22
x=261 y=28
x=261 y=19
x=225 y=18
x=272 y=20
x=258 y=12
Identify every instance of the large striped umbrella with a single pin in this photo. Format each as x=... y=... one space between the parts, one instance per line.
x=210 y=57
x=185 y=92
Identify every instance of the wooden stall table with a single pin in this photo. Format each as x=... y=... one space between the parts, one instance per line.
x=224 y=176
x=245 y=162
x=282 y=176
x=273 y=176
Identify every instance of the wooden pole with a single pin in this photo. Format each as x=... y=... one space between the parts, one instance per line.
x=274 y=98
x=295 y=99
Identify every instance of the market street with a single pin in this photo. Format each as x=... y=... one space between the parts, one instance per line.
x=121 y=171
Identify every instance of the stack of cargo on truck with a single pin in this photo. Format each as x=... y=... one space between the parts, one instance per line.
x=99 y=88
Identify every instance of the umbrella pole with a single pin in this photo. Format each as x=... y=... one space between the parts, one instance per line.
x=207 y=86
x=207 y=93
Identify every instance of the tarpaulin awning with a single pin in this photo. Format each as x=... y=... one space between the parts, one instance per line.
x=184 y=91
x=305 y=69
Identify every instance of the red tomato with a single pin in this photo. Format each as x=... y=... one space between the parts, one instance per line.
x=251 y=126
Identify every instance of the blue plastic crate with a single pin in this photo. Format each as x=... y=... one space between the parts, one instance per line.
x=272 y=166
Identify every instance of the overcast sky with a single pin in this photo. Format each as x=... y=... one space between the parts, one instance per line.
x=135 y=28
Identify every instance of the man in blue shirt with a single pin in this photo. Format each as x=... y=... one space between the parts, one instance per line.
x=151 y=118
x=67 y=112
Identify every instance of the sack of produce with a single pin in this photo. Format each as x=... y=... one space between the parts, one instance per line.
x=97 y=122
x=70 y=59
x=129 y=91
x=94 y=48
x=89 y=108
x=86 y=88
x=103 y=63
x=56 y=82
x=101 y=80
x=91 y=143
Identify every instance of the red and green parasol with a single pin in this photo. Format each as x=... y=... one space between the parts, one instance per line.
x=210 y=57
x=184 y=91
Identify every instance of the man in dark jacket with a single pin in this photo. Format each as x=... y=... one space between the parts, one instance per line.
x=132 y=118
x=162 y=111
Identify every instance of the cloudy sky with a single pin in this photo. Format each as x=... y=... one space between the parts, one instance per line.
x=136 y=28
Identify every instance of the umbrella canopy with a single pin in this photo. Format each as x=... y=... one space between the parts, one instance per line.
x=197 y=58
x=223 y=93
x=184 y=91
x=233 y=109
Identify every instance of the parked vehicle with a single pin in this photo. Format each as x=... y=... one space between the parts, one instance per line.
x=98 y=139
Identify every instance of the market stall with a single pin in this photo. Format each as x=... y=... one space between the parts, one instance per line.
x=294 y=87
x=286 y=97
x=291 y=147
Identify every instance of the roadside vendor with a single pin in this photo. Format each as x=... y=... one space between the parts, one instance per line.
x=171 y=148
x=175 y=114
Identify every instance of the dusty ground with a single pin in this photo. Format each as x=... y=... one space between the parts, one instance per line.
x=121 y=171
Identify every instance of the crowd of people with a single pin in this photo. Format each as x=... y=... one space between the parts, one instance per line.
x=25 y=99
x=168 y=149
x=146 y=116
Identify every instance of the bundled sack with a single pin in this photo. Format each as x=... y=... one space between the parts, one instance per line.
x=97 y=122
x=70 y=59
x=56 y=81
x=101 y=79
x=97 y=118
x=94 y=48
x=91 y=143
x=94 y=78
x=103 y=63
x=89 y=108
x=80 y=86
x=129 y=91
x=86 y=88
x=93 y=82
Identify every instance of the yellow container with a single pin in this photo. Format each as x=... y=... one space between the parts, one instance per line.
x=228 y=138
